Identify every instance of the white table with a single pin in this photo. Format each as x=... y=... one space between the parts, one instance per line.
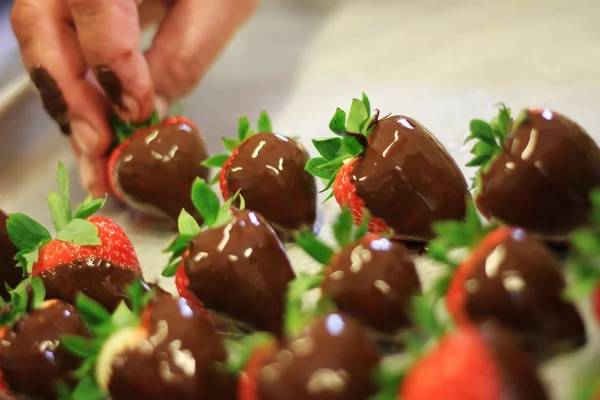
x=441 y=62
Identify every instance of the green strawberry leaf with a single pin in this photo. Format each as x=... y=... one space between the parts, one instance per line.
x=334 y=164
x=216 y=161
x=60 y=215
x=230 y=144
x=367 y=103
x=91 y=311
x=177 y=248
x=124 y=129
x=328 y=148
x=352 y=146
x=26 y=233
x=80 y=232
x=357 y=115
x=338 y=123
x=187 y=225
x=38 y=292
x=29 y=294
x=89 y=207
x=330 y=182
x=314 y=247
x=243 y=128
x=62 y=179
x=80 y=346
x=264 y=123
x=342 y=228
x=312 y=168
x=240 y=351
x=206 y=201
x=87 y=389
x=296 y=315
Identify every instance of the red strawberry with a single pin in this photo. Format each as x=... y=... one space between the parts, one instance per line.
x=392 y=167
x=446 y=372
x=247 y=383
x=535 y=172
x=154 y=156
x=267 y=169
x=510 y=277
x=88 y=254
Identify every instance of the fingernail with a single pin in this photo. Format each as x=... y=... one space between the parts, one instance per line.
x=132 y=108
x=51 y=96
x=86 y=137
x=162 y=106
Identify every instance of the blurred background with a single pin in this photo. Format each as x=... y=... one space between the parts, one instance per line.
x=441 y=62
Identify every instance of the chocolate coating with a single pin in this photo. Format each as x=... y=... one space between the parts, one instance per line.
x=520 y=284
x=373 y=280
x=408 y=179
x=9 y=272
x=333 y=360
x=156 y=170
x=179 y=360
x=110 y=82
x=52 y=98
x=98 y=279
x=32 y=357
x=542 y=179
x=242 y=270
x=269 y=170
x=518 y=373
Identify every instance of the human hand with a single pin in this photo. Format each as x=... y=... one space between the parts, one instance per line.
x=84 y=58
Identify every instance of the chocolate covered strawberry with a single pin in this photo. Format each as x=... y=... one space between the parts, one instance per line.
x=268 y=170
x=33 y=361
x=392 y=167
x=162 y=348
x=369 y=277
x=9 y=273
x=583 y=265
x=535 y=172
x=236 y=266
x=510 y=277
x=155 y=164
x=89 y=254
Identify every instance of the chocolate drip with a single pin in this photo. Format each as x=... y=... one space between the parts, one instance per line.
x=333 y=360
x=373 y=280
x=10 y=274
x=518 y=373
x=520 y=284
x=155 y=171
x=32 y=357
x=269 y=171
x=179 y=360
x=242 y=270
x=543 y=178
x=407 y=178
x=98 y=279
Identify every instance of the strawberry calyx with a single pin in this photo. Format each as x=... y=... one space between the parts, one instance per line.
x=24 y=298
x=240 y=351
x=245 y=130
x=102 y=326
x=29 y=236
x=588 y=385
x=489 y=138
x=583 y=265
x=353 y=130
x=125 y=129
x=213 y=213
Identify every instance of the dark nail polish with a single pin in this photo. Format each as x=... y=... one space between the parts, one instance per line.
x=52 y=98
x=111 y=84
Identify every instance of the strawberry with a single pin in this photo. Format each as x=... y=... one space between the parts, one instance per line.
x=154 y=156
x=508 y=276
x=268 y=171
x=583 y=264
x=8 y=271
x=250 y=262
x=535 y=172
x=89 y=254
x=33 y=361
x=387 y=166
x=369 y=277
x=247 y=384
x=161 y=348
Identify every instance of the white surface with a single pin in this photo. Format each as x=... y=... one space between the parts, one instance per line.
x=441 y=62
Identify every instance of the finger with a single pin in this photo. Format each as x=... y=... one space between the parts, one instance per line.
x=109 y=34
x=93 y=171
x=58 y=71
x=189 y=40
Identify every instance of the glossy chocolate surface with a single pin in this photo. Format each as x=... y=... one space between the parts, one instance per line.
x=179 y=360
x=333 y=360
x=518 y=373
x=156 y=170
x=542 y=180
x=520 y=284
x=32 y=358
x=242 y=270
x=9 y=272
x=408 y=179
x=269 y=171
x=373 y=280
x=98 y=279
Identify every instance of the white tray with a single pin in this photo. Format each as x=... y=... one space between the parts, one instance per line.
x=437 y=61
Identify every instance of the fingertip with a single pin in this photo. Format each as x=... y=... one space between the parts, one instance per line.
x=162 y=106
x=93 y=175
